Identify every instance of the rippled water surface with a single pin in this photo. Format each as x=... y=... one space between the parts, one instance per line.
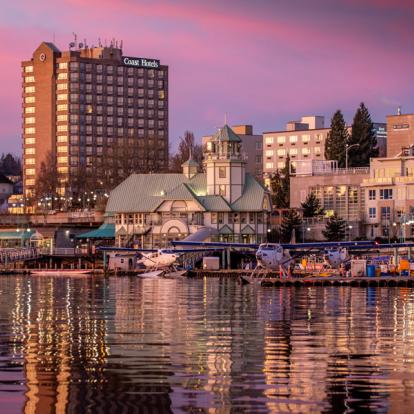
x=82 y=345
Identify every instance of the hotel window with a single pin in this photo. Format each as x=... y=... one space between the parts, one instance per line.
x=29 y=141
x=28 y=69
x=62 y=160
x=30 y=171
x=30 y=181
x=62 y=170
x=269 y=140
x=64 y=97
x=280 y=165
x=305 y=151
x=305 y=139
x=317 y=151
x=269 y=165
x=386 y=212
x=281 y=153
x=63 y=76
x=29 y=99
x=62 y=138
x=293 y=152
x=269 y=153
x=281 y=140
x=386 y=194
x=62 y=86
x=29 y=79
x=62 y=128
x=293 y=139
x=62 y=107
x=259 y=159
x=63 y=117
x=372 y=212
x=30 y=130
x=222 y=172
x=63 y=65
x=30 y=120
x=62 y=149
x=222 y=190
x=29 y=161
x=372 y=194
x=318 y=138
x=29 y=89
x=161 y=94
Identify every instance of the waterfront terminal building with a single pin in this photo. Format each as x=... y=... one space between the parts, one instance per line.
x=80 y=104
x=225 y=203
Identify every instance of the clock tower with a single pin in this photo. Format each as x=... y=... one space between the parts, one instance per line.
x=225 y=165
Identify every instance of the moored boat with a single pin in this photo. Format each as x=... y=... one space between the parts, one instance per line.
x=61 y=272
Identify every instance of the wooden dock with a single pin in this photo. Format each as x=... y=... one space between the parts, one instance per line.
x=273 y=279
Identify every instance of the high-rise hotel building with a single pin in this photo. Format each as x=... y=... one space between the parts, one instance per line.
x=79 y=103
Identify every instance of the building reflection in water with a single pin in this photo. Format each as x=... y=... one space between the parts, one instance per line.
x=159 y=346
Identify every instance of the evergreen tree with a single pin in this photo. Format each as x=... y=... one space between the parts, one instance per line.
x=335 y=228
x=280 y=187
x=312 y=206
x=363 y=134
x=337 y=139
x=291 y=221
x=275 y=188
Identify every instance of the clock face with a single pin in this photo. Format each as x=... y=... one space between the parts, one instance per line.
x=42 y=57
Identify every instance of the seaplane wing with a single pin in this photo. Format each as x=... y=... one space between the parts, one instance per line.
x=295 y=246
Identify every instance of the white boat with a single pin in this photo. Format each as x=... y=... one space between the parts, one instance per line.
x=61 y=272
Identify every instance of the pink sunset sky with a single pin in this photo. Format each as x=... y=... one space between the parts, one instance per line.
x=262 y=62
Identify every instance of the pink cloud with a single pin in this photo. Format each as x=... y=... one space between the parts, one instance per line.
x=260 y=64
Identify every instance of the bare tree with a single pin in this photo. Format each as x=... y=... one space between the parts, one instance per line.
x=187 y=144
x=47 y=181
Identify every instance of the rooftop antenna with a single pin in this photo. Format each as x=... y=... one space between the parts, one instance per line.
x=75 y=38
x=225 y=118
x=122 y=42
x=99 y=42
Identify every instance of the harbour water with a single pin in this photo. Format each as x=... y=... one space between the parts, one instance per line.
x=118 y=345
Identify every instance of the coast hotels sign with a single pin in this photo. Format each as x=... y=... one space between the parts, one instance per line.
x=141 y=62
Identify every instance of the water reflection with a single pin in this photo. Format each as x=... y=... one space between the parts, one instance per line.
x=210 y=346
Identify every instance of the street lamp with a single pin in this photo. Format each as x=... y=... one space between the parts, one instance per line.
x=347 y=148
x=349 y=232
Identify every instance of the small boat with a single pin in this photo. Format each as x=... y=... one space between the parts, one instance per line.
x=61 y=272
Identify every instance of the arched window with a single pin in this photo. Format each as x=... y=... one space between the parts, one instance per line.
x=179 y=206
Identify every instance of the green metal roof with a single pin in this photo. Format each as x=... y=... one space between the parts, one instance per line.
x=105 y=231
x=17 y=235
x=226 y=134
x=215 y=203
x=190 y=162
x=247 y=230
x=225 y=230
x=146 y=192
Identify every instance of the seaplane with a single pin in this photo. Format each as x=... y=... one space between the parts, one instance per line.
x=278 y=257
x=158 y=262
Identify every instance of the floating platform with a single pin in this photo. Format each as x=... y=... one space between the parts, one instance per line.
x=272 y=279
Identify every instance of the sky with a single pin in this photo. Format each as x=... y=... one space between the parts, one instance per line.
x=261 y=62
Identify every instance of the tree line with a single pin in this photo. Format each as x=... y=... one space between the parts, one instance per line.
x=10 y=164
x=361 y=141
